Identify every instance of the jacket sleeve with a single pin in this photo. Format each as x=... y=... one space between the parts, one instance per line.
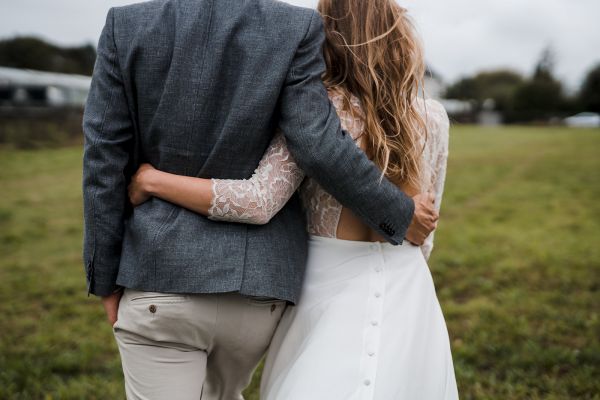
x=108 y=135
x=328 y=154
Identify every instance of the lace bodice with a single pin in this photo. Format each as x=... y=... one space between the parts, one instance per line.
x=258 y=199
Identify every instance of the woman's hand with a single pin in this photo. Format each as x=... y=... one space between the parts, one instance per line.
x=139 y=188
x=192 y=193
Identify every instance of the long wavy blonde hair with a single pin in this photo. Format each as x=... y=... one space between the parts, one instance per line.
x=372 y=52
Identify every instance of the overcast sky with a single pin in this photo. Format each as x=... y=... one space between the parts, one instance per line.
x=460 y=36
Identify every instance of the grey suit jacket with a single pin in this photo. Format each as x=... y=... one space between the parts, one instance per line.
x=198 y=88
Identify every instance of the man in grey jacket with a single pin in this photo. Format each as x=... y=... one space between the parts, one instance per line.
x=197 y=88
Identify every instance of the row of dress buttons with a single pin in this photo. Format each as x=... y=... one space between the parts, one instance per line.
x=374 y=323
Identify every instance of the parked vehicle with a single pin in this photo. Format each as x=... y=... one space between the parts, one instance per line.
x=584 y=120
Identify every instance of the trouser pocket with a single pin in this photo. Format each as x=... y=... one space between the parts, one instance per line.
x=165 y=317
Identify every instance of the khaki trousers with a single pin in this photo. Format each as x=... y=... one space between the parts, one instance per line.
x=184 y=347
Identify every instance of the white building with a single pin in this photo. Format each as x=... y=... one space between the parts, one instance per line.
x=27 y=88
x=435 y=88
x=434 y=85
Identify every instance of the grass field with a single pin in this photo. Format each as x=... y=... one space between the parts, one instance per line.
x=517 y=267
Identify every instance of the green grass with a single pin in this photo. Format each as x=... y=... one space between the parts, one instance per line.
x=516 y=264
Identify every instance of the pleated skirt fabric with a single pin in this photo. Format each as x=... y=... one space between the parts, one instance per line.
x=368 y=326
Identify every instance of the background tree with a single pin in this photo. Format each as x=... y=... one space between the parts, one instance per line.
x=541 y=97
x=499 y=85
x=34 y=53
x=589 y=95
x=464 y=89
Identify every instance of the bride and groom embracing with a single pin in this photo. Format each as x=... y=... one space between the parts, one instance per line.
x=263 y=178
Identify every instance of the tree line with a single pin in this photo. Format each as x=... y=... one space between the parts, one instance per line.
x=539 y=97
x=37 y=54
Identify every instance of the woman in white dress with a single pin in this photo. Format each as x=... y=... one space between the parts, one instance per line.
x=368 y=324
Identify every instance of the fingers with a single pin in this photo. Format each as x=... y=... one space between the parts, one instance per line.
x=425 y=219
x=430 y=217
x=419 y=231
x=428 y=197
x=416 y=240
x=427 y=200
x=130 y=193
x=431 y=197
x=417 y=235
x=134 y=198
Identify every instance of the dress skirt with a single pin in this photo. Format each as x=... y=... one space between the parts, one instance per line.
x=368 y=325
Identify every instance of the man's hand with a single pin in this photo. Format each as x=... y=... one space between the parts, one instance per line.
x=111 y=306
x=425 y=219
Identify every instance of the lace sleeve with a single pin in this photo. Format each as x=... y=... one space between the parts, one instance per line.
x=439 y=130
x=258 y=199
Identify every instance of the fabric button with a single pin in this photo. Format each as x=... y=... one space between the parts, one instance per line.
x=152 y=308
x=377 y=294
x=374 y=323
x=378 y=269
x=367 y=382
x=371 y=353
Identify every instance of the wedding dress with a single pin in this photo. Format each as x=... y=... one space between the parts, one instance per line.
x=368 y=324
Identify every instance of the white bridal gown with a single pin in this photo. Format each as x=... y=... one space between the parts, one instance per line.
x=368 y=324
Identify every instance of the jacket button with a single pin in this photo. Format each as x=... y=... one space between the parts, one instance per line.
x=152 y=308
x=387 y=228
